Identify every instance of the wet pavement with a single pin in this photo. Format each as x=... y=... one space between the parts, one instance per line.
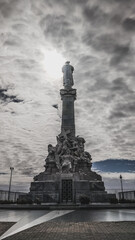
x=99 y=216
x=68 y=224
x=77 y=215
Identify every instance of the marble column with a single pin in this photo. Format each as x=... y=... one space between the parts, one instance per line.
x=68 y=97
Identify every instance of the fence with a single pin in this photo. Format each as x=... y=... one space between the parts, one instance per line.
x=13 y=195
x=126 y=194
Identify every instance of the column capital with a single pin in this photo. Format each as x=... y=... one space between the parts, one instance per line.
x=68 y=92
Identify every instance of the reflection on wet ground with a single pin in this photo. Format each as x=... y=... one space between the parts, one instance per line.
x=33 y=218
x=106 y=215
x=76 y=216
x=26 y=219
x=16 y=215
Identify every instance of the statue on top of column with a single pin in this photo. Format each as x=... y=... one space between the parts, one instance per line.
x=67 y=70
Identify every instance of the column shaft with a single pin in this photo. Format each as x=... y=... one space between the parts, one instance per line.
x=68 y=119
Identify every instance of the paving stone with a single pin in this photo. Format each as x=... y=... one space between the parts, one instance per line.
x=75 y=231
x=4 y=226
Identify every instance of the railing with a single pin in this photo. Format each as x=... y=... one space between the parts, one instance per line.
x=127 y=194
x=4 y=195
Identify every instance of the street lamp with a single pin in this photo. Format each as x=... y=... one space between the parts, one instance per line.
x=121 y=187
x=11 y=168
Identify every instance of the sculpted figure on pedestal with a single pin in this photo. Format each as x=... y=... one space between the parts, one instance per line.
x=65 y=147
x=80 y=142
x=51 y=153
x=59 y=145
x=86 y=157
x=68 y=75
x=67 y=162
x=68 y=154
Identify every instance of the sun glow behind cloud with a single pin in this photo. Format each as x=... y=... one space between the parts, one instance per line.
x=53 y=62
x=36 y=36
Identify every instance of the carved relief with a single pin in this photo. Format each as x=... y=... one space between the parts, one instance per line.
x=68 y=153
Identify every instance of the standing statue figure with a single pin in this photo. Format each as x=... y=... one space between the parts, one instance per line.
x=68 y=75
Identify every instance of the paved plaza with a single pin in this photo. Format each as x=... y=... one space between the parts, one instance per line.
x=68 y=225
x=54 y=230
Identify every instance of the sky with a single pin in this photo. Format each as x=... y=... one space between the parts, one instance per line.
x=36 y=38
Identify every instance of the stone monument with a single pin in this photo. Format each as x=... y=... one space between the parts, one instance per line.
x=68 y=175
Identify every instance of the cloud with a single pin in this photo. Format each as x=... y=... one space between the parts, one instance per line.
x=8 y=98
x=56 y=26
x=120 y=52
x=115 y=165
x=97 y=37
x=123 y=110
x=27 y=171
x=11 y=7
x=120 y=85
x=129 y=24
x=95 y=15
x=113 y=185
x=109 y=43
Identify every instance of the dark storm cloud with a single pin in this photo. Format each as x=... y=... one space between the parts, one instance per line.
x=115 y=43
x=115 y=165
x=14 y=99
x=116 y=19
x=109 y=43
x=129 y=24
x=120 y=85
x=11 y=40
x=120 y=52
x=124 y=3
x=116 y=86
x=107 y=13
x=117 y=114
x=26 y=63
x=66 y=3
x=128 y=107
x=94 y=35
x=80 y=2
x=123 y=109
x=8 y=98
x=99 y=85
x=86 y=60
x=57 y=29
x=10 y=7
x=127 y=126
x=27 y=171
x=51 y=22
x=95 y=15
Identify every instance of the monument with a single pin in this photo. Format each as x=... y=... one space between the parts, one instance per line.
x=68 y=175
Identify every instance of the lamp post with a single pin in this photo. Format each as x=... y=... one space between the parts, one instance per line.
x=121 y=187
x=11 y=168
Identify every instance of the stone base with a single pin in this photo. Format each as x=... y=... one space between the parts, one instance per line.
x=61 y=188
